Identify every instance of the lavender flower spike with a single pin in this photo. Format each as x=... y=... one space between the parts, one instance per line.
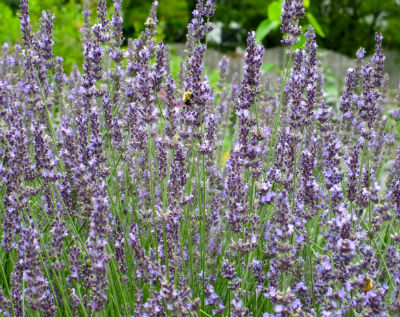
x=291 y=11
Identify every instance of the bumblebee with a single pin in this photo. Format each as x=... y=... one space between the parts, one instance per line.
x=367 y=284
x=187 y=98
x=149 y=22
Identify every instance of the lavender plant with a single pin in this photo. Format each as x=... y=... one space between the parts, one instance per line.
x=128 y=190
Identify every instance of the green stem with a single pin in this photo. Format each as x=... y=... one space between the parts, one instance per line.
x=3 y=275
x=203 y=234
x=152 y=189
x=310 y=262
x=284 y=75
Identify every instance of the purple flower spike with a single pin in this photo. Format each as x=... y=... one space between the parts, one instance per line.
x=292 y=10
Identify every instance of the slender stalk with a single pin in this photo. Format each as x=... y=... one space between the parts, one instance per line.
x=284 y=76
x=150 y=143
x=7 y=288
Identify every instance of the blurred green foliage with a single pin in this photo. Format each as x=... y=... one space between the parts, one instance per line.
x=66 y=29
x=173 y=18
x=273 y=22
x=350 y=24
x=346 y=24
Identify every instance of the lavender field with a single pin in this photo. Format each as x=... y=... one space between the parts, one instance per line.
x=131 y=190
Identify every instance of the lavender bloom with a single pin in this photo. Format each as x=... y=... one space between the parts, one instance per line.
x=158 y=71
x=395 y=113
x=348 y=97
x=45 y=159
x=75 y=188
x=367 y=103
x=113 y=124
x=96 y=281
x=394 y=188
x=360 y=53
x=145 y=41
x=9 y=69
x=237 y=309
x=372 y=84
x=144 y=91
x=5 y=307
x=92 y=72
x=223 y=66
x=179 y=175
x=152 y=307
x=116 y=34
x=311 y=73
x=266 y=195
x=236 y=192
x=352 y=163
x=209 y=140
x=108 y=116
x=277 y=235
x=26 y=27
x=37 y=291
x=86 y=30
x=292 y=10
x=15 y=167
x=115 y=51
x=287 y=304
x=171 y=109
x=250 y=88
x=332 y=173
x=297 y=85
x=75 y=263
x=120 y=255
x=95 y=148
x=196 y=28
x=200 y=95
x=174 y=299
x=257 y=268
x=136 y=126
x=162 y=161
x=148 y=269
x=228 y=270
x=28 y=86
x=43 y=47
x=378 y=60
x=59 y=232
x=102 y=29
x=310 y=189
x=209 y=8
x=44 y=43
x=59 y=76
x=211 y=297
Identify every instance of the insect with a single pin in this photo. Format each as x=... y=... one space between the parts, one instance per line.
x=187 y=98
x=367 y=284
x=149 y=22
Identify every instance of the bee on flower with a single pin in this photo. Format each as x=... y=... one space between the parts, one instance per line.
x=149 y=22
x=187 y=98
x=367 y=284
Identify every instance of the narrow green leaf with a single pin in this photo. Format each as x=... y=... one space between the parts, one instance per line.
x=265 y=28
x=313 y=21
x=275 y=11
x=266 y=67
x=300 y=44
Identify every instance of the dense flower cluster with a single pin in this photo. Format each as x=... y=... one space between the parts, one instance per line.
x=129 y=190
